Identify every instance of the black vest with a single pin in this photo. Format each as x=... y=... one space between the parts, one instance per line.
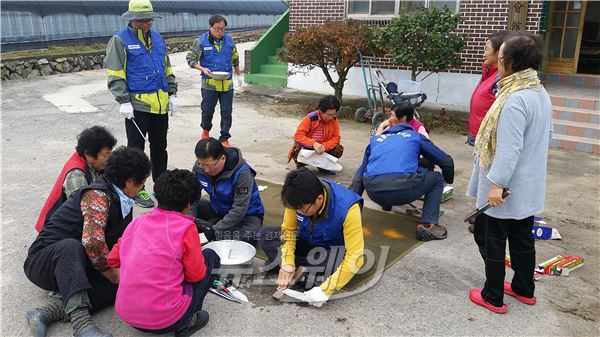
x=67 y=221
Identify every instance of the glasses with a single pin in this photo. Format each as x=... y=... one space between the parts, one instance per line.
x=218 y=29
x=208 y=166
x=305 y=211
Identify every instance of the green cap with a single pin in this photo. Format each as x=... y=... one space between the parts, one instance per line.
x=139 y=10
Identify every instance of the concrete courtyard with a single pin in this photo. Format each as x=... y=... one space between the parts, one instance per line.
x=425 y=293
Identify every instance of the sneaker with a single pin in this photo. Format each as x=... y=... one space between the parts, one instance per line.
x=143 y=199
x=37 y=322
x=475 y=297
x=387 y=208
x=198 y=321
x=322 y=170
x=431 y=232
x=226 y=143
x=205 y=134
x=508 y=291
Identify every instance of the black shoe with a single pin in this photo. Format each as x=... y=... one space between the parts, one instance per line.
x=386 y=208
x=198 y=321
x=37 y=322
x=143 y=199
x=431 y=232
x=92 y=331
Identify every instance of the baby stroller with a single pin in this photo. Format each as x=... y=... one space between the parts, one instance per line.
x=378 y=111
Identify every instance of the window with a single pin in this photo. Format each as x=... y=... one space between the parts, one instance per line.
x=363 y=8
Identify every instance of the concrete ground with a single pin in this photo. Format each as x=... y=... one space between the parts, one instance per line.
x=423 y=294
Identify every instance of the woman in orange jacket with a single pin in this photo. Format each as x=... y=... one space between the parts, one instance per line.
x=319 y=131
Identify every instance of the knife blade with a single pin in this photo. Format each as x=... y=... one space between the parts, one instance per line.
x=237 y=294
x=485 y=207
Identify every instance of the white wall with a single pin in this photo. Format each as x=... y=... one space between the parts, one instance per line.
x=442 y=88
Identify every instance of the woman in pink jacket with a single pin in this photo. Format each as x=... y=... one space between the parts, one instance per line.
x=164 y=273
x=485 y=93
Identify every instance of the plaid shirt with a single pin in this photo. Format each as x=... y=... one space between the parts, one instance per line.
x=75 y=180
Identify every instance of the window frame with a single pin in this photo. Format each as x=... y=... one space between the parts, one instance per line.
x=359 y=16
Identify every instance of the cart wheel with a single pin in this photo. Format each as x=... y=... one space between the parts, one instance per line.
x=378 y=118
x=360 y=115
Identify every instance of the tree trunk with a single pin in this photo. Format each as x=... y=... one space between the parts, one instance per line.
x=413 y=74
x=338 y=91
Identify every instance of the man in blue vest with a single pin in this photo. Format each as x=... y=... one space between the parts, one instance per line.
x=391 y=174
x=321 y=223
x=210 y=52
x=142 y=81
x=235 y=210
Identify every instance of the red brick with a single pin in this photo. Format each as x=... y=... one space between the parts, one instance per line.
x=574 y=131
x=581 y=117
x=557 y=101
x=567 y=144
x=589 y=81
x=589 y=104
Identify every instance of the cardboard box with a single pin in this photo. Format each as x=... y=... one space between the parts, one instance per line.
x=566 y=268
x=540 y=268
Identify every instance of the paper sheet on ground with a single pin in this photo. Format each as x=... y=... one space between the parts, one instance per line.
x=324 y=161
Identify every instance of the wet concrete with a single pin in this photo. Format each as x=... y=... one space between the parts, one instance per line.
x=425 y=293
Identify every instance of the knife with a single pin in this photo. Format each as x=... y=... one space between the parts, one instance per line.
x=484 y=207
x=237 y=294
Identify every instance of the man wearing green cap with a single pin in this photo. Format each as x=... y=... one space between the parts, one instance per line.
x=142 y=81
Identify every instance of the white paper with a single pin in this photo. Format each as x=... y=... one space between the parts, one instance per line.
x=324 y=161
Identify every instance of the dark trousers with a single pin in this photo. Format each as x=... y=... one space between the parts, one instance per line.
x=490 y=235
x=318 y=260
x=212 y=261
x=209 y=101
x=432 y=186
x=246 y=230
x=155 y=126
x=64 y=267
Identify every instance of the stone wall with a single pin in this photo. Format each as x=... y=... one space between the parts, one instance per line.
x=50 y=65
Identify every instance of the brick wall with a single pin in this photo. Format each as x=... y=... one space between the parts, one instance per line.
x=313 y=12
x=479 y=19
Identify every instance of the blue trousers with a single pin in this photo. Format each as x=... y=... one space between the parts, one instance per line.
x=431 y=185
x=209 y=101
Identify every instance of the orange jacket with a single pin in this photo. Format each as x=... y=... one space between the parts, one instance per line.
x=307 y=128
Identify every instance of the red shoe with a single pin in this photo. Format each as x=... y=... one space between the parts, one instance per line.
x=475 y=296
x=225 y=143
x=205 y=134
x=508 y=291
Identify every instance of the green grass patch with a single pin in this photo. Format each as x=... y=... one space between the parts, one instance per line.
x=55 y=51
x=444 y=121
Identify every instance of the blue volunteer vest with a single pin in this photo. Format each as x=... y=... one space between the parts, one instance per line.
x=145 y=69
x=222 y=195
x=394 y=153
x=214 y=59
x=329 y=232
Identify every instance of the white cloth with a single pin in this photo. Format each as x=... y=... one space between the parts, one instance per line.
x=126 y=110
x=315 y=296
x=172 y=105
x=324 y=161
